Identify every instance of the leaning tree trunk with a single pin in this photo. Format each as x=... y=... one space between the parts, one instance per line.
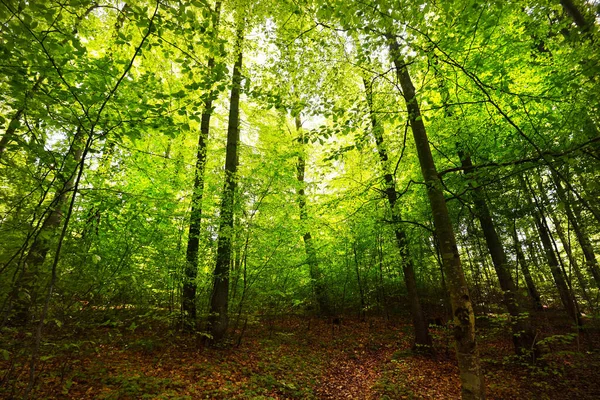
x=28 y=281
x=316 y=275
x=523 y=333
x=471 y=374
x=531 y=288
x=422 y=337
x=191 y=265
x=580 y=233
x=564 y=239
x=218 y=319
x=563 y=290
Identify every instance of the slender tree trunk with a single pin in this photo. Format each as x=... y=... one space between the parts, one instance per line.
x=535 y=255
x=523 y=334
x=191 y=266
x=218 y=319
x=572 y=260
x=26 y=287
x=358 y=280
x=482 y=260
x=475 y=273
x=559 y=278
x=422 y=337
x=445 y=291
x=471 y=374
x=315 y=272
x=580 y=233
x=381 y=280
x=531 y=289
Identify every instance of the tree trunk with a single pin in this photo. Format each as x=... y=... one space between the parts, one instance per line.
x=559 y=278
x=471 y=374
x=531 y=289
x=26 y=287
x=523 y=333
x=580 y=233
x=422 y=337
x=218 y=319
x=358 y=280
x=311 y=255
x=191 y=266
x=577 y=16
x=572 y=260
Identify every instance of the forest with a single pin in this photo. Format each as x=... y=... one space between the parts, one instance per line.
x=299 y=199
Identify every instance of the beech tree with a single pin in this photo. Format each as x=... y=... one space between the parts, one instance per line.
x=218 y=167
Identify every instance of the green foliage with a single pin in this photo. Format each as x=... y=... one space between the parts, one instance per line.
x=126 y=89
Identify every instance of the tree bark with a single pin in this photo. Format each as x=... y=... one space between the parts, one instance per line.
x=316 y=275
x=580 y=233
x=422 y=337
x=571 y=8
x=471 y=374
x=523 y=333
x=26 y=287
x=359 y=282
x=531 y=288
x=563 y=290
x=191 y=266
x=218 y=320
x=567 y=247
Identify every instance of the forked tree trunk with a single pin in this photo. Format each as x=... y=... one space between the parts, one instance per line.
x=523 y=333
x=218 y=319
x=316 y=275
x=422 y=337
x=471 y=374
x=191 y=266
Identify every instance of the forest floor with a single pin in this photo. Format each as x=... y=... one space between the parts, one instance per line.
x=296 y=358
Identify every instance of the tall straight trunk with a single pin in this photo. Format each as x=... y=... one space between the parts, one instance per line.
x=315 y=272
x=523 y=334
x=531 y=288
x=480 y=256
x=422 y=337
x=471 y=374
x=445 y=291
x=567 y=247
x=559 y=279
x=28 y=281
x=475 y=272
x=361 y=290
x=382 y=290
x=536 y=254
x=580 y=232
x=191 y=265
x=218 y=318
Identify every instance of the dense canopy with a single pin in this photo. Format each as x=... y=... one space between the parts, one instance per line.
x=216 y=168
